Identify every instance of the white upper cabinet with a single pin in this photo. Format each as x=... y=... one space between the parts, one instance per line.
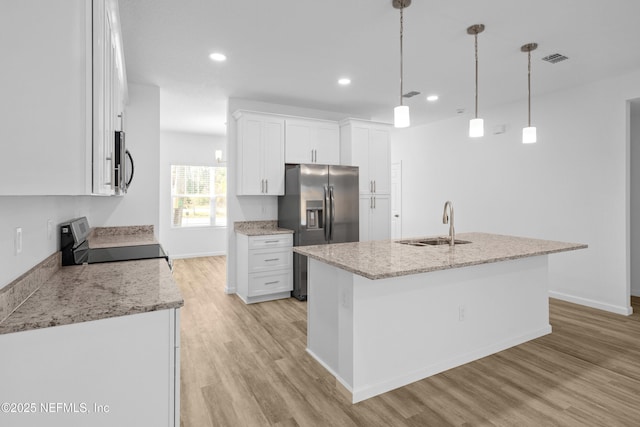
x=367 y=145
x=260 y=164
x=47 y=101
x=312 y=141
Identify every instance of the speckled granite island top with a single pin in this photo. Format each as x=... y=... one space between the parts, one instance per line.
x=97 y=291
x=388 y=258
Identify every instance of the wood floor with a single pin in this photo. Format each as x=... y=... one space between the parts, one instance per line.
x=247 y=366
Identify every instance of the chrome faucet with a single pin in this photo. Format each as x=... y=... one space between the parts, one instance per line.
x=445 y=220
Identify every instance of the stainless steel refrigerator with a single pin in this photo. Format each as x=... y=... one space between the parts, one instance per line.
x=321 y=206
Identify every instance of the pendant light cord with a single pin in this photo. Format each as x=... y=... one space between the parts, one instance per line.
x=529 y=86
x=476 y=45
x=401 y=55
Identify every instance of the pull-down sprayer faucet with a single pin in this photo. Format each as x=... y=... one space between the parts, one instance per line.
x=446 y=220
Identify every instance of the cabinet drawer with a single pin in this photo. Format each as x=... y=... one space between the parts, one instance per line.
x=270 y=259
x=271 y=241
x=269 y=283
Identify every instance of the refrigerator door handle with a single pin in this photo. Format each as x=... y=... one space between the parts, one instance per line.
x=326 y=214
x=333 y=211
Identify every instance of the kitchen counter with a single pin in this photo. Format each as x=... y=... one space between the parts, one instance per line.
x=259 y=228
x=383 y=314
x=388 y=258
x=97 y=291
x=108 y=237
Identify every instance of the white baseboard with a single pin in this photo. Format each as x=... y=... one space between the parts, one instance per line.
x=197 y=255
x=230 y=289
x=617 y=309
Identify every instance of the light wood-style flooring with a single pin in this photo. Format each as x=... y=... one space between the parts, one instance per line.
x=246 y=365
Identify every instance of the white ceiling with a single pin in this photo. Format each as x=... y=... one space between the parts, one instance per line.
x=293 y=52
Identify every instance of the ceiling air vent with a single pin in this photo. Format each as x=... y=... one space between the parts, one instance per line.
x=410 y=94
x=555 y=58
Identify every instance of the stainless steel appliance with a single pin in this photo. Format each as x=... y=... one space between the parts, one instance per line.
x=321 y=206
x=121 y=173
x=75 y=247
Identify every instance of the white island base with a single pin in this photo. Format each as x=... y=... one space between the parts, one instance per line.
x=378 y=335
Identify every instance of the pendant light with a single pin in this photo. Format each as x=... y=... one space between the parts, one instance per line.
x=529 y=133
x=476 y=125
x=401 y=112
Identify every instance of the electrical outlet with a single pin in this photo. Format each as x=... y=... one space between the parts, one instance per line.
x=462 y=312
x=49 y=229
x=18 y=240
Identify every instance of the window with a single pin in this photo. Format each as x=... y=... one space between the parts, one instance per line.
x=198 y=196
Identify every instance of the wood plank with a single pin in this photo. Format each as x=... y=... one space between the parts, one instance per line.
x=247 y=365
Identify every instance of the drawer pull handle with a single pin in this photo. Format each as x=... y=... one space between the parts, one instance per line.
x=272 y=283
x=272 y=259
x=271 y=241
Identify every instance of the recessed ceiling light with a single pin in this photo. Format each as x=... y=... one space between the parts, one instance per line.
x=344 y=81
x=432 y=98
x=218 y=57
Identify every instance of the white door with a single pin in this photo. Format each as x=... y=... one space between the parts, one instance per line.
x=380 y=225
x=396 y=200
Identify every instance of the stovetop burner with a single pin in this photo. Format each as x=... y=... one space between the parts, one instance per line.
x=126 y=253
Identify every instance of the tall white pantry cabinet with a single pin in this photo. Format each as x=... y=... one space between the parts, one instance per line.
x=367 y=145
x=63 y=87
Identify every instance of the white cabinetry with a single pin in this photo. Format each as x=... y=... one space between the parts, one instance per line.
x=109 y=91
x=265 y=267
x=125 y=370
x=312 y=141
x=260 y=143
x=47 y=103
x=367 y=145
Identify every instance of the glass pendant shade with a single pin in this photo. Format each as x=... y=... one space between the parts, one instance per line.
x=476 y=128
x=529 y=135
x=401 y=116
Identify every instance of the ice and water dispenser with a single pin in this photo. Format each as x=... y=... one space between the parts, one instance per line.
x=315 y=215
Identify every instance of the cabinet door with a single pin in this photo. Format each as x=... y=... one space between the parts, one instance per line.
x=327 y=144
x=298 y=142
x=45 y=101
x=360 y=156
x=380 y=161
x=250 y=179
x=365 y=215
x=380 y=219
x=273 y=156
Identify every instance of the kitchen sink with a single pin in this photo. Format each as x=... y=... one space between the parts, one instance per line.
x=433 y=241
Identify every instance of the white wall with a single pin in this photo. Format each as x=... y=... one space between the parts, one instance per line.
x=178 y=148
x=571 y=185
x=254 y=208
x=635 y=198
x=138 y=207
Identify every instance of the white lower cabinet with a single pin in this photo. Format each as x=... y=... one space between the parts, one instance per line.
x=265 y=267
x=120 y=371
x=375 y=211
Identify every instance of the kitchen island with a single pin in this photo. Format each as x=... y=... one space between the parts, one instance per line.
x=384 y=314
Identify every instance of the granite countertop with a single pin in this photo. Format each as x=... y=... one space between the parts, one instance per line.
x=259 y=228
x=388 y=258
x=109 y=237
x=97 y=291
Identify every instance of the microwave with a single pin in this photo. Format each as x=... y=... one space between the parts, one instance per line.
x=123 y=166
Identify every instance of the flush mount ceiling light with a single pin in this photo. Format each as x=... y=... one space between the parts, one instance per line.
x=344 y=81
x=218 y=57
x=529 y=133
x=401 y=112
x=432 y=98
x=476 y=125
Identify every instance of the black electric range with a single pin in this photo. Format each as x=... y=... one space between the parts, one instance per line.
x=75 y=248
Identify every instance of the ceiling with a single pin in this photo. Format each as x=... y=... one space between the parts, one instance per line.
x=292 y=52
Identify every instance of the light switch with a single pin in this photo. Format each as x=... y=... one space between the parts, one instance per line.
x=49 y=229
x=18 y=240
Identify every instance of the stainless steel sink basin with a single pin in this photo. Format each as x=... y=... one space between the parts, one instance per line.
x=434 y=241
